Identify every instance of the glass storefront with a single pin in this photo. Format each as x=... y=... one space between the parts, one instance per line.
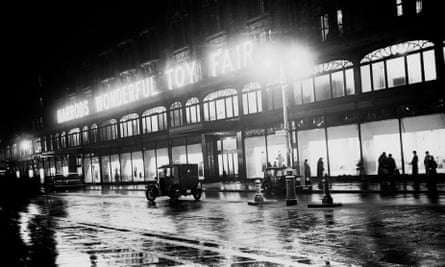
x=195 y=156
x=115 y=168
x=95 y=170
x=276 y=149
x=255 y=148
x=344 y=150
x=179 y=154
x=106 y=172
x=138 y=166
x=87 y=169
x=312 y=145
x=424 y=133
x=379 y=137
x=126 y=167
x=150 y=163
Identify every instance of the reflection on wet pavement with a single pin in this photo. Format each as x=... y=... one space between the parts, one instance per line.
x=94 y=229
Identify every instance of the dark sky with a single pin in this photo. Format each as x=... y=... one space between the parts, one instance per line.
x=43 y=40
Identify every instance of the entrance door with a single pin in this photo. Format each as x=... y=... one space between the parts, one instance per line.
x=227 y=157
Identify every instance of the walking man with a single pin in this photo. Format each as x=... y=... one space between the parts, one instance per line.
x=320 y=167
x=307 y=169
x=415 y=163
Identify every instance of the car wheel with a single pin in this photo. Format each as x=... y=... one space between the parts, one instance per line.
x=151 y=194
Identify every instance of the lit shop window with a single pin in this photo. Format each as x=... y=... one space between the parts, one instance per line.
x=176 y=114
x=94 y=133
x=222 y=104
x=63 y=140
x=332 y=79
x=74 y=137
x=108 y=130
x=324 y=26
x=106 y=169
x=419 y=6
x=192 y=111
x=154 y=120
x=399 y=7
x=85 y=139
x=129 y=125
x=396 y=65
x=252 y=100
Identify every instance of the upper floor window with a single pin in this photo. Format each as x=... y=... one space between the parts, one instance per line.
x=340 y=22
x=154 y=120
x=399 y=7
x=63 y=140
x=85 y=139
x=222 y=104
x=74 y=137
x=37 y=146
x=324 y=26
x=192 y=111
x=419 y=6
x=252 y=100
x=176 y=114
x=108 y=130
x=129 y=125
x=404 y=63
x=94 y=133
x=332 y=79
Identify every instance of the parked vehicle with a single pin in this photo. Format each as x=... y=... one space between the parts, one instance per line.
x=63 y=182
x=175 y=180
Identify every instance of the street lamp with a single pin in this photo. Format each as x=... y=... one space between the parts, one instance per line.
x=279 y=64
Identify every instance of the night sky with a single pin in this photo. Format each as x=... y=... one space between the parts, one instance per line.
x=46 y=40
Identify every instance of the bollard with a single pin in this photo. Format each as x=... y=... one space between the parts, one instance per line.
x=291 y=195
x=327 y=201
x=259 y=199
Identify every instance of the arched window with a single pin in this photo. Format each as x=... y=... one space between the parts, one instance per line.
x=154 y=120
x=192 y=111
x=85 y=139
x=74 y=137
x=222 y=104
x=176 y=114
x=331 y=79
x=396 y=65
x=108 y=130
x=129 y=125
x=252 y=99
x=93 y=133
x=63 y=140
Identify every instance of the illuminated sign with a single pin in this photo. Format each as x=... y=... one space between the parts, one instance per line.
x=182 y=74
x=73 y=111
x=126 y=94
x=227 y=60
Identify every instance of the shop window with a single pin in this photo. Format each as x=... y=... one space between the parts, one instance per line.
x=154 y=120
x=252 y=100
x=162 y=157
x=95 y=170
x=222 y=104
x=129 y=125
x=396 y=65
x=74 y=137
x=312 y=146
x=192 y=111
x=126 y=172
x=276 y=150
x=115 y=168
x=344 y=150
x=138 y=166
x=194 y=155
x=256 y=161
x=108 y=130
x=424 y=133
x=106 y=169
x=150 y=164
x=85 y=137
x=87 y=169
x=179 y=154
x=379 y=137
x=176 y=114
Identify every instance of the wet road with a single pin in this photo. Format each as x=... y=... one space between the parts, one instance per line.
x=119 y=228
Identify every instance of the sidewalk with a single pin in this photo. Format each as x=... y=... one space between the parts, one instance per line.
x=336 y=187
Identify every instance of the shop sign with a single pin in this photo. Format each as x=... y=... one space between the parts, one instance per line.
x=181 y=74
x=225 y=60
x=126 y=94
x=74 y=111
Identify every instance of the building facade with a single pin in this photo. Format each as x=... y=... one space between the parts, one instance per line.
x=188 y=91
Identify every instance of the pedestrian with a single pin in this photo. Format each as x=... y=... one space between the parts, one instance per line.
x=427 y=162
x=415 y=164
x=320 y=167
x=391 y=165
x=381 y=171
x=307 y=169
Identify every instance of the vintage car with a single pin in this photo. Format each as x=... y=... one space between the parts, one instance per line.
x=63 y=182
x=175 y=180
x=274 y=182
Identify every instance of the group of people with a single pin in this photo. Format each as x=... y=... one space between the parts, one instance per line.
x=386 y=165
x=429 y=162
x=320 y=168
